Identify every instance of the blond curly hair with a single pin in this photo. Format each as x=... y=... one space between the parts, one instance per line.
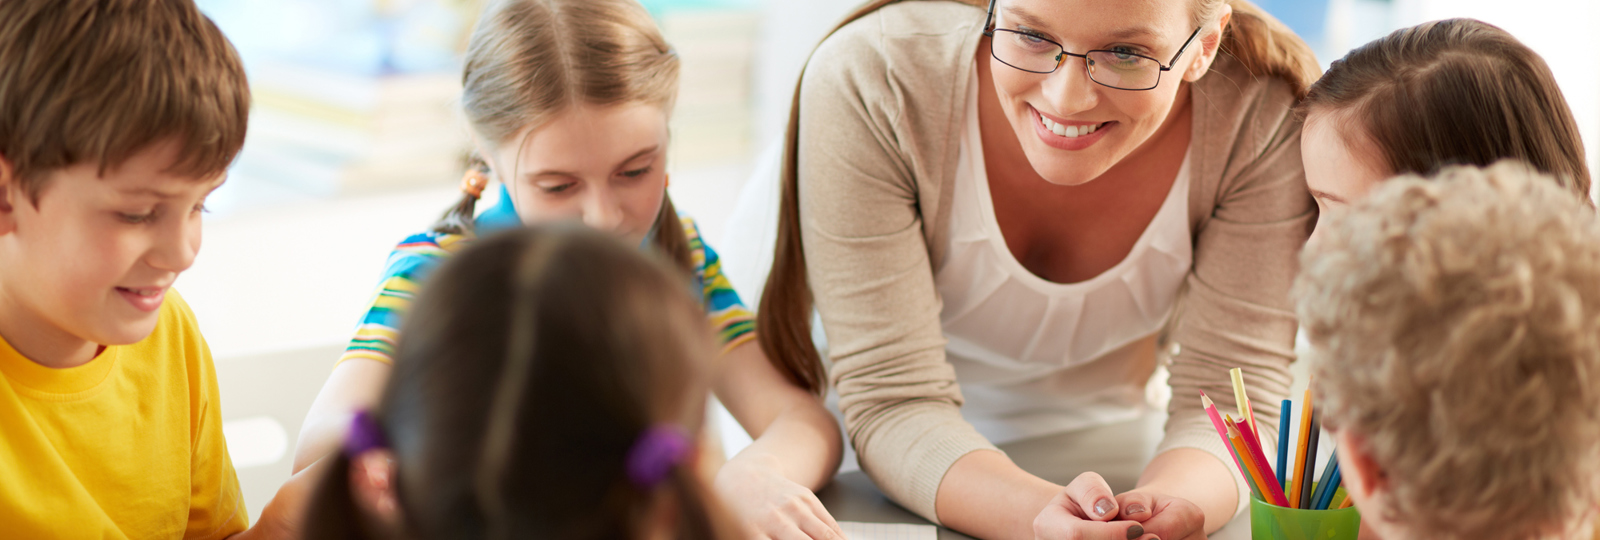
x=1455 y=327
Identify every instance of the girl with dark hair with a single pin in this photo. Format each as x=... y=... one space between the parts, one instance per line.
x=549 y=384
x=1442 y=93
x=569 y=101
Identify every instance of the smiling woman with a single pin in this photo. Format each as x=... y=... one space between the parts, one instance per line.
x=1027 y=201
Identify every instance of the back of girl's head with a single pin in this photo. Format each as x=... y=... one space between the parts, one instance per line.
x=528 y=61
x=529 y=368
x=1452 y=92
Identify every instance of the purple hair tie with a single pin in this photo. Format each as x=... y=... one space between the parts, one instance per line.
x=655 y=453
x=364 y=434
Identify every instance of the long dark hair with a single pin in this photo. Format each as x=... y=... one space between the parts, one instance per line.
x=1262 y=45
x=1454 y=92
x=529 y=367
x=529 y=60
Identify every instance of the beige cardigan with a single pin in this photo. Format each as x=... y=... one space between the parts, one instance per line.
x=880 y=106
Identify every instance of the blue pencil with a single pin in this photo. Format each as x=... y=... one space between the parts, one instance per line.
x=1333 y=486
x=1283 y=445
x=1322 y=485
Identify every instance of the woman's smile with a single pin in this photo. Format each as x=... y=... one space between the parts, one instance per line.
x=1066 y=134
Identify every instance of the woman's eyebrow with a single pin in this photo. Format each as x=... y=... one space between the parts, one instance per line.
x=1027 y=19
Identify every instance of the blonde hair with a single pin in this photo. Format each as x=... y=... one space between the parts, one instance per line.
x=1455 y=324
x=530 y=60
x=1264 y=46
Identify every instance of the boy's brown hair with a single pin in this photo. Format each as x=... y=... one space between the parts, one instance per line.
x=1455 y=325
x=96 y=81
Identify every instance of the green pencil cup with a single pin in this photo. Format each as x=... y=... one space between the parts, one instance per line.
x=1270 y=522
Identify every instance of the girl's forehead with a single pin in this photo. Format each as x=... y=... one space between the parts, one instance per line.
x=590 y=136
x=1122 y=18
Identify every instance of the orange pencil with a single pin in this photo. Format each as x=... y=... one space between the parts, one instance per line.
x=1237 y=439
x=1298 y=477
x=1347 y=503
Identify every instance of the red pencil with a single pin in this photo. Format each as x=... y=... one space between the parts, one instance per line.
x=1253 y=446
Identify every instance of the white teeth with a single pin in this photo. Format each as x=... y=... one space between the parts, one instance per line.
x=1065 y=130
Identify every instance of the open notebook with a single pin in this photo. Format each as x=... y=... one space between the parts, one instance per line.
x=855 y=530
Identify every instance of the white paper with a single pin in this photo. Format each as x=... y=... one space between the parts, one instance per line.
x=855 y=530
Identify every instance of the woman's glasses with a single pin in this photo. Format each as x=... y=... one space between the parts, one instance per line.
x=1033 y=53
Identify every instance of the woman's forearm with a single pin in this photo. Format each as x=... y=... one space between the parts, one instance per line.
x=985 y=495
x=1196 y=476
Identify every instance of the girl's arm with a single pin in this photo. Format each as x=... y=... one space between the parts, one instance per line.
x=797 y=448
x=356 y=383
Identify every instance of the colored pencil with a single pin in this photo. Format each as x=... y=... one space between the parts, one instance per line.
x=1216 y=421
x=1283 y=444
x=1297 y=476
x=1310 y=471
x=1242 y=399
x=1323 y=499
x=1348 y=502
x=1323 y=484
x=1253 y=474
x=1252 y=443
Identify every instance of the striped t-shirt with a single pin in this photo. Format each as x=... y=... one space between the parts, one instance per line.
x=418 y=255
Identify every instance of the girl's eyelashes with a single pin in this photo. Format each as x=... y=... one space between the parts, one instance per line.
x=136 y=219
x=557 y=188
x=635 y=173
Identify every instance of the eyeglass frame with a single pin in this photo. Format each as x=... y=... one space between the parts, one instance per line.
x=989 y=30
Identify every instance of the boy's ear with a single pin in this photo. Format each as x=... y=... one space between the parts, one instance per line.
x=1362 y=476
x=10 y=196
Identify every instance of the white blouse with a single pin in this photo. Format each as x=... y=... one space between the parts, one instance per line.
x=1036 y=357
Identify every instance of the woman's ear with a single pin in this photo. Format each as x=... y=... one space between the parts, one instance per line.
x=1209 y=41
x=372 y=486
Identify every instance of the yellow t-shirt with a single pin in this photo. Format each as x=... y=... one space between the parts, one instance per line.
x=128 y=445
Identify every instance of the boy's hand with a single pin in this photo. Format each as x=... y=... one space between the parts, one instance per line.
x=284 y=516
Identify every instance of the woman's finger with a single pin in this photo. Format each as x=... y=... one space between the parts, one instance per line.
x=1092 y=497
x=816 y=529
x=1135 y=506
x=1176 y=519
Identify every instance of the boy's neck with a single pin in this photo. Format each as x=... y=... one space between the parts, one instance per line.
x=41 y=342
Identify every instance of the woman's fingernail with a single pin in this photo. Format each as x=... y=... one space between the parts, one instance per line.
x=1135 y=508
x=1102 y=507
x=1135 y=531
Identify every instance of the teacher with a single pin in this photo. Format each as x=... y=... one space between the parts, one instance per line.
x=1041 y=202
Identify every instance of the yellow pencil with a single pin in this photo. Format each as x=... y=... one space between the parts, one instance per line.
x=1243 y=400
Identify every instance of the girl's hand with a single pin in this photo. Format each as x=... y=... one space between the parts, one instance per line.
x=1166 y=517
x=1085 y=510
x=773 y=506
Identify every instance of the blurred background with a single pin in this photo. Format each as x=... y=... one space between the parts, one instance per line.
x=355 y=142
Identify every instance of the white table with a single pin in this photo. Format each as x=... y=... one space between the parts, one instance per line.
x=1118 y=452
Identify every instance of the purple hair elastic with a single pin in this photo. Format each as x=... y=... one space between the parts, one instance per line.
x=655 y=453
x=364 y=434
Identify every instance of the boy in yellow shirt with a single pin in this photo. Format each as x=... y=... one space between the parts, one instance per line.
x=1455 y=329
x=117 y=118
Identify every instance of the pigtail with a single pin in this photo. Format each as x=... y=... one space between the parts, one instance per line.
x=459 y=218
x=333 y=514
x=670 y=238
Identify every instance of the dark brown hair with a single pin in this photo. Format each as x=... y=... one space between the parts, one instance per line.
x=96 y=81
x=531 y=364
x=530 y=60
x=1453 y=92
x=1262 y=45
